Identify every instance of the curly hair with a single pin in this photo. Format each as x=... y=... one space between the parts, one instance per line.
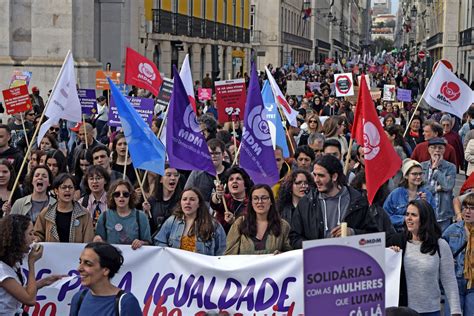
x=113 y=186
x=12 y=238
x=285 y=192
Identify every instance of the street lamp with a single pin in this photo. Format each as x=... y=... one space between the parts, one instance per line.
x=413 y=11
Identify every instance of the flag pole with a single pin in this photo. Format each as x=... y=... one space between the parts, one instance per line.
x=235 y=139
x=237 y=154
x=28 y=151
x=85 y=130
x=140 y=184
x=348 y=157
x=125 y=164
x=287 y=133
x=24 y=129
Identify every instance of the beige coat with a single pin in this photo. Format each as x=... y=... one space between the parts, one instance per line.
x=469 y=156
x=82 y=230
x=23 y=206
x=238 y=244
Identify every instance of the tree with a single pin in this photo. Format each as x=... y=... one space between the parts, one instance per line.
x=380 y=44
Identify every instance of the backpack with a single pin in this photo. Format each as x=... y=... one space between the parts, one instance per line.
x=118 y=299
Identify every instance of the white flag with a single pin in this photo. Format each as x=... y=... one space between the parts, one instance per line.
x=448 y=93
x=187 y=78
x=64 y=102
x=339 y=66
x=289 y=112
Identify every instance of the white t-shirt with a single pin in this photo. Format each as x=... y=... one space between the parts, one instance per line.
x=8 y=304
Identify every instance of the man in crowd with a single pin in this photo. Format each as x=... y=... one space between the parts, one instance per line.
x=38 y=103
x=316 y=143
x=101 y=157
x=85 y=133
x=452 y=137
x=304 y=157
x=320 y=213
x=13 y=155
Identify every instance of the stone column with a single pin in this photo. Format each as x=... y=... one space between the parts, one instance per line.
x=208 y=61
x=165 y=59
x=196 y=62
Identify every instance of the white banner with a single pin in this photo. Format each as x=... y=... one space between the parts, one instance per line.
x=175 y=282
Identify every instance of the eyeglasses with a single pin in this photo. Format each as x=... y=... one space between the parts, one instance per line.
x=66 y=187
x=96 y=179
x=469 y=208
x=416 y=174
x=263 y=198
x=117 y=194
x=301 y=183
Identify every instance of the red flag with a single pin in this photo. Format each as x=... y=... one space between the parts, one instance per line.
x=141 y=72
x=381 y=160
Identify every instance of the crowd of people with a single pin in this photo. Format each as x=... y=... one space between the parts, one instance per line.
x=81 y=187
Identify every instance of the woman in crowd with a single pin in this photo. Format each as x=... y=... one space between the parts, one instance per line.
x=34 y=159
x=48 y=142
x=121 y=223
x=7 y=179
x=192 y=228
x=83 y=162
x=238 y=184
x=261 y=230
x=98 y=264
x=161 y=203
x=293 y=188
x=313 y=126
x=414 y=135
x=56 y=162
x=119 y=150
x=458 y=236
x=16 y=239
x=66 y=220
x=389 y=120
x=333 y=128
x=97 y=180
x=425 y=253
x=40 y=180
x=394 y=134
x=410 y=188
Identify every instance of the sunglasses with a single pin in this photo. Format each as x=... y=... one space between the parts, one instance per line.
x=117 y=194
x=55 y=129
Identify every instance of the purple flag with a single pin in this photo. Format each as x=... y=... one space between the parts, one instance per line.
x=257 y=156
x=185 y=143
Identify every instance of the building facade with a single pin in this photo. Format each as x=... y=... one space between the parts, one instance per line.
x=215 y=34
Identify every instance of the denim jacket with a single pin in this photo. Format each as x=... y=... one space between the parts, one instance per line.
x=455 y=235
x=444 y=178
x=397 y=202
x=172 y=230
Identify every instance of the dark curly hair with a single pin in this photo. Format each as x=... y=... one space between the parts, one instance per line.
x=12 y=238
x=113 y=186
x=286 y=188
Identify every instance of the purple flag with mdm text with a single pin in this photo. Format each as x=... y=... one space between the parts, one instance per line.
x=186 y=146
x=257 y=156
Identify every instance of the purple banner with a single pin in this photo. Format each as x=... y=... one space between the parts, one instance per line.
x=349 y=281
x=144 y=107
x=404 y=95
x=88 y=101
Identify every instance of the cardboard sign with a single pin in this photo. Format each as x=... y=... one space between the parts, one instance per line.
x=101 y=82
x=350 y=279
x=295 y=87
x=204 y=94
x=375 y=94
x=144 y=107
x=314 y=86
x=344 y=85
x=404 y=95
x=20 y=78
x=17 y=99
x=389 y=92
x=230 y=97
x=87 y=97
x=164 y=96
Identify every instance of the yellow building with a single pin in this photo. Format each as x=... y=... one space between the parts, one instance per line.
x=215 y=34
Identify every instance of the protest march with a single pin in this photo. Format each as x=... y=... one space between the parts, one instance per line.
x=300 y=189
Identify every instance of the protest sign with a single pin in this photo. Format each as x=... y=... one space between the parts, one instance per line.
x=295 y=87
x=344 y=85
x=88 y=101
x=20 y=78
x=192 y=282
x=389 y=92
x=17 y=99
x=164 y=96
x=230 y=97
x=101 y=82
x=204 y=94
x=338 y=285
x=143 y=106
x=375 y=94
x=404 y=95
x=314 y=86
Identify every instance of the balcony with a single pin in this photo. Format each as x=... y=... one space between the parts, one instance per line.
x=466 y=37
x=434 y=40
x=255 y=36
x=296 y=40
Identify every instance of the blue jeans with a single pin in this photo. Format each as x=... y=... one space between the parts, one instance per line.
x=466 y=298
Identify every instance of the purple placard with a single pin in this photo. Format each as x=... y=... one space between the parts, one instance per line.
x=88 y=101
x=144 y=107
x=349 y=281
x=404 y=95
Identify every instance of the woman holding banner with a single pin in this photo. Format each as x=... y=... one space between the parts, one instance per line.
x=16 y=240
x=261 y=230
x=191 y=227
x=425 y=253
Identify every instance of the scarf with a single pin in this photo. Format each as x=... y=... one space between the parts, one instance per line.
x=413 y=134
x=469 y=256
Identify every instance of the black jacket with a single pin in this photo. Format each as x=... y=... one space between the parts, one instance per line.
x=307 y=222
